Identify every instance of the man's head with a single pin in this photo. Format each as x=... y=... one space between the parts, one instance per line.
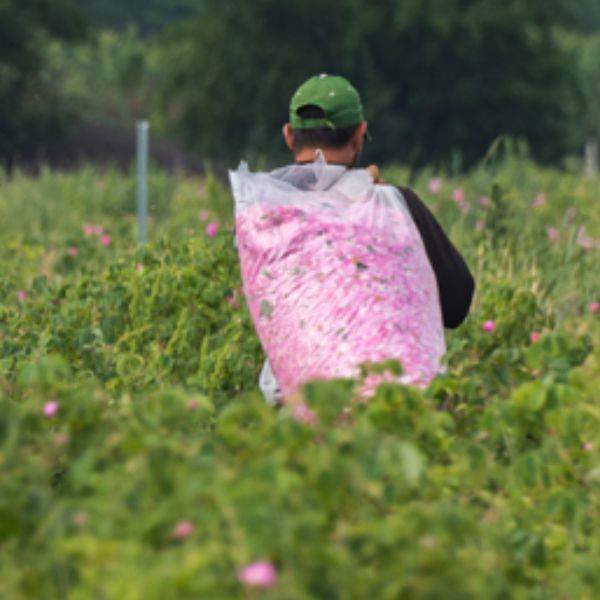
x=326 y=113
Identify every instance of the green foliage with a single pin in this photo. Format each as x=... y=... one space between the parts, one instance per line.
x=114 y=78
x=426 y=70
x=128 y=405
x=32 y=106
x=149 y=16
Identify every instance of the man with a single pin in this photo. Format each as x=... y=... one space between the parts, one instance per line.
x=326 y=121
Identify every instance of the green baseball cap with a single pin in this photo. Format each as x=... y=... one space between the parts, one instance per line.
x=334 y=95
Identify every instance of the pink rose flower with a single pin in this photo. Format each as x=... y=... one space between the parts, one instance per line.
x=458 y=195
x=21 y=295
x=51 y=408
x=435 y=185
x=489 y=326
x=183 y=530
x=203 y=214
x=73 y=251
x=534 y=337
x=583 y=239
x=485 y=201
x=88 y=229
x=193 y=404
x=595 y=307
x=211 y=229
x=539 y=200
x=552 y=233
x=303 y=414
x=105 y=240
x=258 y=574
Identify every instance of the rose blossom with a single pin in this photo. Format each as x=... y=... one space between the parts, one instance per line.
x=21 y=295
x=534 y=337
x=435 y=185
x=211 y=229
x=105 y=240
x=183 y=529
x=595 y=307
x=489 y=326
x=539 y=200
x=552 y=233
x=73 y=251
x=303 y=414
x=51 y=408
x=458 y=195
x=258 y=574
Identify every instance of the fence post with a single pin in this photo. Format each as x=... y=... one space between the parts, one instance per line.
x=591 y=158
x=142 y=180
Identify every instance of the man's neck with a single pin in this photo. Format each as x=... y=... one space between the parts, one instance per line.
x=336 y=157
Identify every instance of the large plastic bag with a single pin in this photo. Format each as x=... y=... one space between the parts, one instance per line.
x=335 y=274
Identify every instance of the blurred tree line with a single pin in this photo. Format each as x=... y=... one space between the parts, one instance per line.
x=149 y=16
x=441 y=80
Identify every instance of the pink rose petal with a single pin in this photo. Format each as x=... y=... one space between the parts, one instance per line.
x=21 y=296
x=183 y=530
x=458 y=195
x=552 y=233
x=539 y=200
x=51 y=408
x=489 y=326
x=595 y=307
x=435 y=185
x=105 y=240
x=258 y=574
x=211 y=229
x=534 y=337
x=303 y=414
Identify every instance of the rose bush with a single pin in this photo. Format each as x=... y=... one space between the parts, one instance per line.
x=138 y=459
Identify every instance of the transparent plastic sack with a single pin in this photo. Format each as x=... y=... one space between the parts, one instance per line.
x=335 y=275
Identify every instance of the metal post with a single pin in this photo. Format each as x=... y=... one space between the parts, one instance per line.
x=143 y=128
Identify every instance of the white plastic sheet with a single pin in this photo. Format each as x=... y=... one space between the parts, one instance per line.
x=335 y=274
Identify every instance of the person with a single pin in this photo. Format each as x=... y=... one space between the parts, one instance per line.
x=327 y=122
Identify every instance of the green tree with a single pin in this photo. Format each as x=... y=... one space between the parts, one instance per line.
x=436 y=76
x=148 y=15
x=32 y=108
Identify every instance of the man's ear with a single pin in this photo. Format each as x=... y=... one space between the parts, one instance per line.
x=359 y=134
x=288 y=136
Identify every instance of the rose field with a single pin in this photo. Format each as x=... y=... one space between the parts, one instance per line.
x=138 y=459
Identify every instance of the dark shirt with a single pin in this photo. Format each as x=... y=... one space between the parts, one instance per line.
x=455 y=282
